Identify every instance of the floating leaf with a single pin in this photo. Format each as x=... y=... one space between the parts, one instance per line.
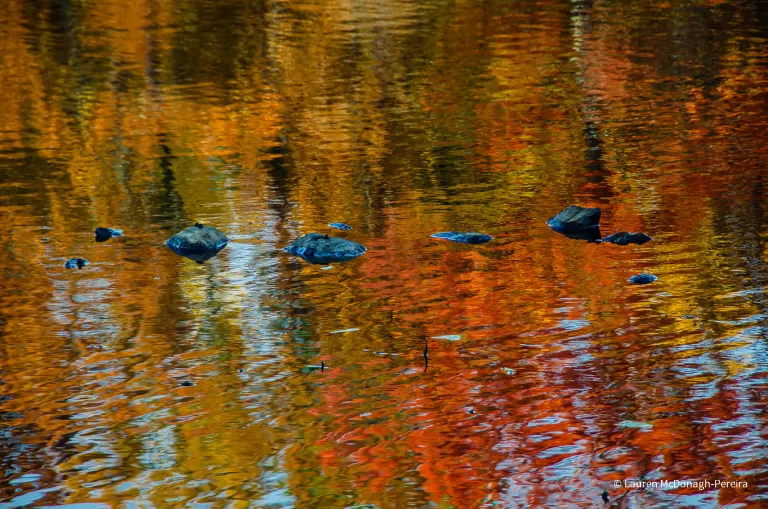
x=635 y=424
x=449 y=337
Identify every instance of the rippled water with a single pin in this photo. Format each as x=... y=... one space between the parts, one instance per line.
x=147 y=380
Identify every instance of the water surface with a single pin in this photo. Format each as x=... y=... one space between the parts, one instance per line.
x=147 y=380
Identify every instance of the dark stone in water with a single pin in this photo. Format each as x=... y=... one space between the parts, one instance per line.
x=575 y=219
x=340 y=226
x=76 y=263
x=464 y=237
x=103 y=234
x=322 y=249
x=624 y=238
x=643 y=279
x=198 y=242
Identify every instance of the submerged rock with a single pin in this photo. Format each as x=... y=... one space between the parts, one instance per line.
x=76 y=263
x=643 y=279
x=198 y=242
x=575 y=219
x=624 y=238
x=590 y=234
x=103 y=234
x=340 y=226
x=322 y=249
x=464 y=237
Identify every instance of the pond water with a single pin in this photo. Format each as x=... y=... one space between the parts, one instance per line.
x=147 y=380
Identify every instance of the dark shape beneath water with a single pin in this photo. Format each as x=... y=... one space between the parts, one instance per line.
x=322 y=249
x=624 y=238
x=198 y=242
x=463 y=237
x=643 y=279
x=575 y=219
x=590 y=234
x=103 y=234
x=340 y=226
x=76 y=263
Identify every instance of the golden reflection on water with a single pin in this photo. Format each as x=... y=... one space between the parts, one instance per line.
x=146 y=380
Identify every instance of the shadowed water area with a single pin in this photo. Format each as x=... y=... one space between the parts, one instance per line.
x=524 y=372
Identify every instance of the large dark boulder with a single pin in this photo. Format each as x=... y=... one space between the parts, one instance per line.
x=574 y=219
x=464 y=237
x=198 y=242
x=625 y=238
x=103 y=234
x=322 y=249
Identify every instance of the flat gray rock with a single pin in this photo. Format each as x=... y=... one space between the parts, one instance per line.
x=625 y=238
x=464 y=237
x=322 y=249
x=198 y=242
x=575 y=219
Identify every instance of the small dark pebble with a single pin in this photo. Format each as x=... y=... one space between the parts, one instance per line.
x=186 y=383
x=76 y=263
x=103 y=234
x=643 y=279
x=340 y=226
